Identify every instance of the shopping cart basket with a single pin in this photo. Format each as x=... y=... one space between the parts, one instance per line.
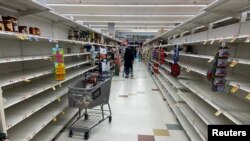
x=85 y=96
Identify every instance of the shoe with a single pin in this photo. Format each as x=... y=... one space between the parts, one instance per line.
x=126 y=76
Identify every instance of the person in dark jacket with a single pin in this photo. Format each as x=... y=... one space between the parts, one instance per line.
x=128 y=61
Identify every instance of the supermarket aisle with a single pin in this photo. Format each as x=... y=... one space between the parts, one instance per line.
x=139 y=113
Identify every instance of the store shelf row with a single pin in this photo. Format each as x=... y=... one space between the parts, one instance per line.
x=234 y=81
x=208 y=16
x=27 y=129
x=30 y=58
x=26 y=75
x=187 y=126
x=36 y=38
x=34 y=8
x=22 y=111
x=237 y=60
x=19 y=94
x=202 y=109
x=54 y=127
x=197 y=123
x=238 y=112
x=172 y=91
x=172 y=80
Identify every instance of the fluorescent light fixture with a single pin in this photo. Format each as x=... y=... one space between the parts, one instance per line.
x=163 y=26
x=145 y=22
x=103 y=15
x=136 y=30
x=119 y=5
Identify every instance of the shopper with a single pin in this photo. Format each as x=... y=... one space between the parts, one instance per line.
x=128 y=62
x=140 y=54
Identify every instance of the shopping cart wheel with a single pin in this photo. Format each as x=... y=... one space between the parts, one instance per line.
x=110 y=119
x=86 y=116
x=86 y=135
x=70 y=133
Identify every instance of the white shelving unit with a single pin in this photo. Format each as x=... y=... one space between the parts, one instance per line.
x=233 y=108
x=49 y=132
x=203 y=110
x=236 y=81
x=192 y=134
x=201 y=106
x=198 y=124
x=33 y=105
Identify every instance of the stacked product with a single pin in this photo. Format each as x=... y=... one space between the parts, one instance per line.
x=58 y=58
x=175 y=68
x=218 y=71
x=84 y=36
x=10 y=24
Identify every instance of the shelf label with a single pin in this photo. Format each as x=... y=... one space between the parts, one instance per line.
x=234 y=39
x=209 y=61
x=60 y=85
x=59 y=99
x=27 y=80
x=205 y=42
x=248 y=96
x=248 y=39
x=54 y=119
x=221 y=40
x=234 y=63
x=235 y=88
x=212 y=42
x=188 y=70
x=217 y=113
x=63 y=113
x=53 y=87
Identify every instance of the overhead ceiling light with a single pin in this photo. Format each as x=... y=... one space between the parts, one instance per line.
x=133 y=26
x=145 y=22
x=118 y=5
x=103 y=15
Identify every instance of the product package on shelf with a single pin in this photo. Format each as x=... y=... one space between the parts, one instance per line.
x=175 y=68
x=218 y=71
x=161 y=56
x=10 y=24
x=59 y=66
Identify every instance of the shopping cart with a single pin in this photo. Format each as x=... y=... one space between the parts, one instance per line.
x=86 y=96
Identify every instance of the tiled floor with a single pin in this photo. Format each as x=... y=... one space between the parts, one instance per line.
x=139 y=113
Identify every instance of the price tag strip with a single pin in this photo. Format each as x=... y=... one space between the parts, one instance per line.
x=217 y=113
x=235 y=88
x=234 y=39
x=248 y=39
x=234 y=63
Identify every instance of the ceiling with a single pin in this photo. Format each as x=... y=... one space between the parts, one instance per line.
x=128 y=15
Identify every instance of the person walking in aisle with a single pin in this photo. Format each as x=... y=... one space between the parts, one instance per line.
x=140 y=54
x=128 y=62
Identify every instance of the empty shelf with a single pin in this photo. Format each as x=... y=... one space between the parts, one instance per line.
x=34 y=124
x=172 y=80
x=195 y=121
x=193 y=135
x=19 y=94
x=170 y=89
x=53 y=128
x=204 y=110
x=20 y=112
x=238 y=112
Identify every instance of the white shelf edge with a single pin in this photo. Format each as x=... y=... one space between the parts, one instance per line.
x=236 y=120
x=190 y=131
x=49 y=87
